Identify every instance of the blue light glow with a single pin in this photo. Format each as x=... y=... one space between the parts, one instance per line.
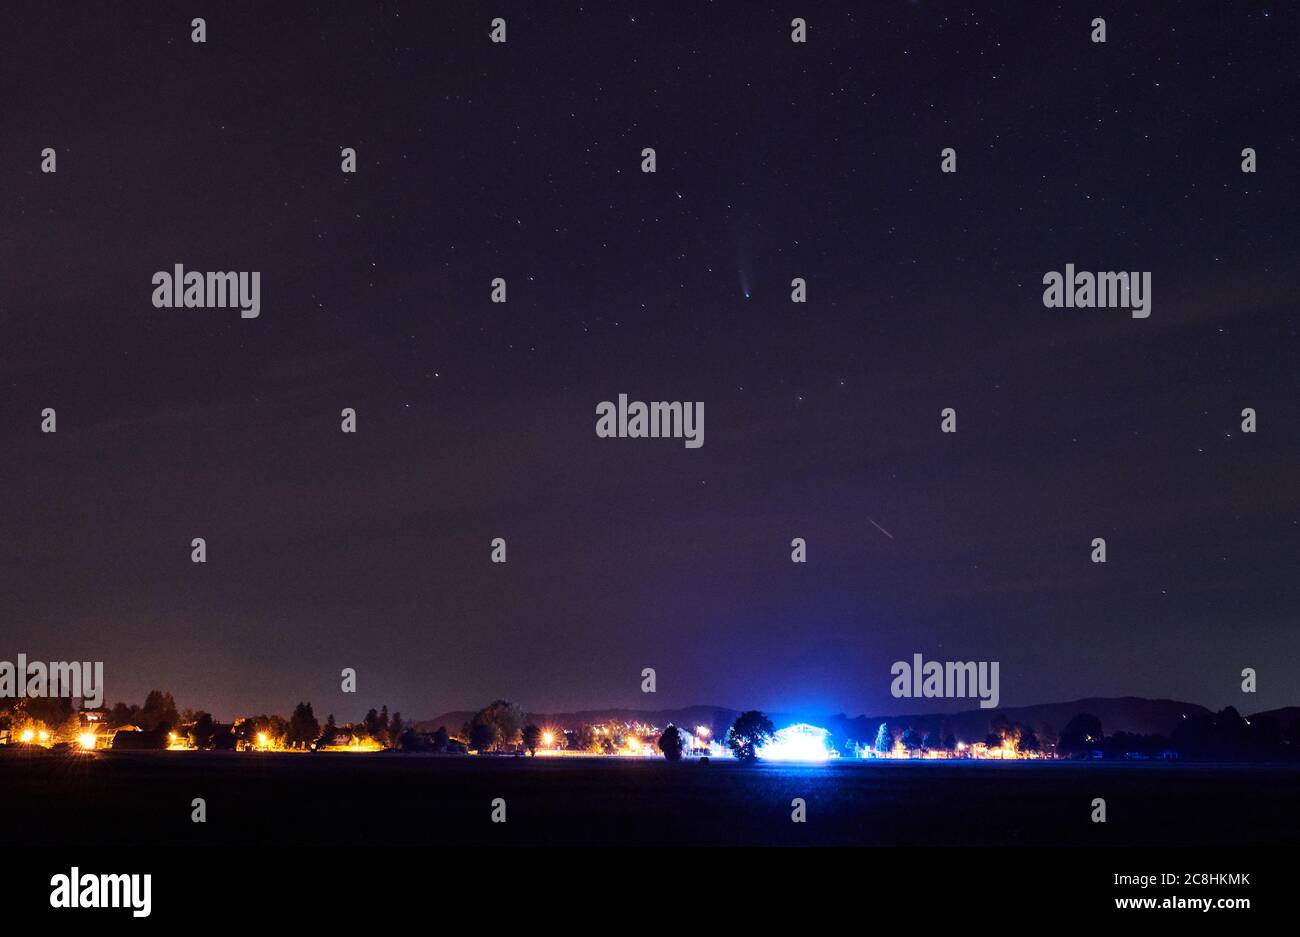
x=799 y=742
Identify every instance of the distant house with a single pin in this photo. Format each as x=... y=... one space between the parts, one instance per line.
x=337 y=741
x=345 y=740
x=131 y=738
x=1168 y=755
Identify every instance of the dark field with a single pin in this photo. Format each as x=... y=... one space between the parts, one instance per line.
x=118 y=799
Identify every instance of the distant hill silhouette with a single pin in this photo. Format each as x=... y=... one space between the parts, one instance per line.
x=1133 y=714
x=1284 y=716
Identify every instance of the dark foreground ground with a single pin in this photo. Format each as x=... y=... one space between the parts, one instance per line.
x=288 y=800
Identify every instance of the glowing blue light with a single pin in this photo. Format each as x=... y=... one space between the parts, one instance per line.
x=799 y=742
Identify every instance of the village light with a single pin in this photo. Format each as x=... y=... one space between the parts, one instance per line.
x=45 y=736
x=27 y=735
x=261 y=740
x=548 y=738
x=87 y=740
x=702 y=731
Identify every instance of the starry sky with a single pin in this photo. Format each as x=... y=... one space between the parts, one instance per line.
x=476 y=420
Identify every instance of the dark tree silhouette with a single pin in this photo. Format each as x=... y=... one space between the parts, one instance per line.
x=1028 y=741
x=1081 y=734
x=584 y=739
x=440 y=739
x=532 y=738
x=303 y=727
x=504 y=720
x=201 y=733
x=158 y=713
x=671 y=744
x=911 y=739
x=748 y=733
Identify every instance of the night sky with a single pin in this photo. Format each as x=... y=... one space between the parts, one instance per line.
x=476 y=420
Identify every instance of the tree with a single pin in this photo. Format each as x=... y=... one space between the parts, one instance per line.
x=748 y=733
x=277 y=727
x=481 y=737
x=1046 y=737
x=584 y=739
x=884 y=741
x=395 y=727
x=159 y=712
x=223 y=739
x=671 y=744
x=504 y=720
x=932 y=742
x=911 y=739
x=950 y=742
x=327 y=734
x=123 y=715
x=246 y=729
x=440 y=739
x=532 y=738
x=1028 y=741
x=303 y=727
x=201 y=732
x=1001 y=726
x=1081 y=734
x=330 y=726
x=69 y=730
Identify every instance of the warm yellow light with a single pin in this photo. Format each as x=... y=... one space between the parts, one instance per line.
x=548 y=739
x=45 y=736
x=87 y=739
x=261 y=740
x=631 y=743
x=27 y=735
x=171 y=736
x=702 y=731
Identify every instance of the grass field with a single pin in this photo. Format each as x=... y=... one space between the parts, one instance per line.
x=119 y=798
